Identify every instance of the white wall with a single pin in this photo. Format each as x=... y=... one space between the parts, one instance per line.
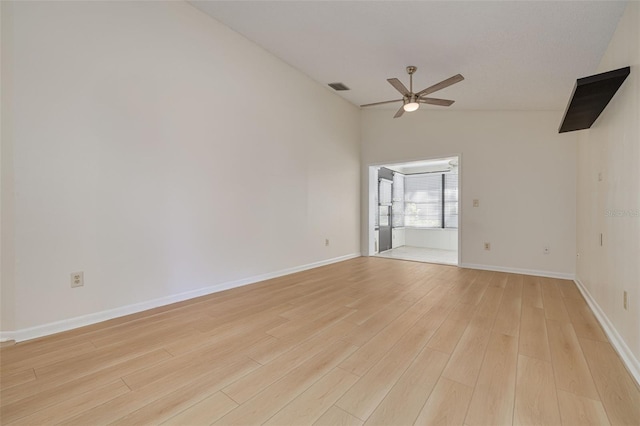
x=7 y=258
x=443 y=239
x=517 y=165
x=612 y=206
x=398 y=237
x=161 y=153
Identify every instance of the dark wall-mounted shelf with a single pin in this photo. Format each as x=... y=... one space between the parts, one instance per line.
x=590 y=96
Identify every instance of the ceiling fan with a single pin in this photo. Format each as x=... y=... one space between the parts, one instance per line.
x=411 y=101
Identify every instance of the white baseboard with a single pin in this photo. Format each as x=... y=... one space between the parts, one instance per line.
x=7 y=336
x=81 y=321
x=631 y=362
x=537 y=273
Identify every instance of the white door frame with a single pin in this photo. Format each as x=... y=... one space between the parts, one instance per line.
x=372 y=185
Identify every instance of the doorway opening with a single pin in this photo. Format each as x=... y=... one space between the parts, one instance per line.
x=414 y=210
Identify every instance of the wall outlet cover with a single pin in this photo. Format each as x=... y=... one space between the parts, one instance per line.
x=77 y=279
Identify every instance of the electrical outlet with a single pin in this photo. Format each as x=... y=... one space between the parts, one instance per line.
x=77 y=279
x=545 y=250
x=625 y=301
x=487 y=246
x=326 y=242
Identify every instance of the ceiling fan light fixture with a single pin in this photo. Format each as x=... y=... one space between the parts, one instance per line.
x=411 y=106
x=411 y=101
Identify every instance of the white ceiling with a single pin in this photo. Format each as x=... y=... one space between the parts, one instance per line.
x=514 y=55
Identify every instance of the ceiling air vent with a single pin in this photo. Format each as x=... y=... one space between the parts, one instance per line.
x=338 y=86
x=590 y=96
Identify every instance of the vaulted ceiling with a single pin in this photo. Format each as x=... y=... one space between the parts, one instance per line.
x=514 y=55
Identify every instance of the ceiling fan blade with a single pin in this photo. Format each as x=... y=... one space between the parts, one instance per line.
x=399 y=86
x=439 y=86
x=380 y=103
x=434 y=101
x=400 y=112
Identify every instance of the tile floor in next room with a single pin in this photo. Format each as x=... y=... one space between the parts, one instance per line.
x=422 y=254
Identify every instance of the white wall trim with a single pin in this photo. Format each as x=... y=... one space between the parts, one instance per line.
x=6 y=336
x=631 y=362
x=534 y=272
x=81 y=321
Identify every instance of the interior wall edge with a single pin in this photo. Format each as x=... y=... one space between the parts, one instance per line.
x=628 y=359
x=96 y=317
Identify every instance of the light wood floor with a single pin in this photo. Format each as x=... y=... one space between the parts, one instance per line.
x=370 y=340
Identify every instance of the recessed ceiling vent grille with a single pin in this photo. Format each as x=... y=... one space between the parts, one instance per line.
x=590 y=96
x=338 y=86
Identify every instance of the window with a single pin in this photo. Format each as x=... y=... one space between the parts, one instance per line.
x=450 y=200
x=431 y=200
x=397 y=205
x=384 y=201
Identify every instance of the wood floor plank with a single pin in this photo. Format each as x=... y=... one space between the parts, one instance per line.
x=406 y=398
x=75 y=405
x=162 y=400
x=371 y=352
x=365 y=313
x=153 y=330
x=447 y=404
x=317 y=307
x=533 y=334
x=488 y=307
x=498 y=280
x=44 y=359
x=578 y=410
x=532 y=292
x=228 y=331
x=268 y=402
x=618 y=392
x=364 y=396
x=508 y=317
x=190 y=365
x=18 y=378
x=204 y=412
x=293 y=329
x=462 y=367
x=584 y=322
x=103 y=357
x=494 y=393
x=568 y=289
x=315 y=401
x=536 y=398
x=554 y=308
x=364 y=332
x=463 y=311
x=336 y=416
x=475 y=293
x=448 y=335
x=20 y=401
x=250 y=385
x=571 y=370
x=266 y=351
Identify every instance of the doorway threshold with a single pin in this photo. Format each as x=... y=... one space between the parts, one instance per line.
x=422 y=254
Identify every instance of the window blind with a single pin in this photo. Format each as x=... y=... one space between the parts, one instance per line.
x=450 y=200
x=423 y=200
